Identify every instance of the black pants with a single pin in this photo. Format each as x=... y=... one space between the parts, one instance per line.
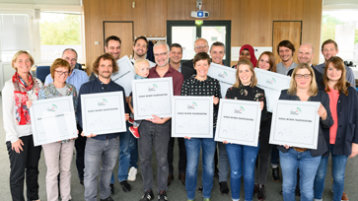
x=182 y=155
x=80 y=145
x=27 y=160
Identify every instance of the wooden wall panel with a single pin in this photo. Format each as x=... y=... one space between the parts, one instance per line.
x=251 y=20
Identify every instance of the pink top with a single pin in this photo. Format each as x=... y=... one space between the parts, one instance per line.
x=333 y=100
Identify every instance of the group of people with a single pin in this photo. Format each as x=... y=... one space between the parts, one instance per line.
x=331 y=84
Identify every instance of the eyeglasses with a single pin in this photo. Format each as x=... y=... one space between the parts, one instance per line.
x=161 y=54
x=62 y=72
x=300 y=76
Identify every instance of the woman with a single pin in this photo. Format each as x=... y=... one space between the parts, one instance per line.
x=17 y=124
x=200 y=84
x=58 y=155
x=266 y=62
x=242 y=158
x=247 y=52
x=303 y=87
x=342 y=140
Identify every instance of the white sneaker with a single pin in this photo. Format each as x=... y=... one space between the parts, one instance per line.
x=132 y=174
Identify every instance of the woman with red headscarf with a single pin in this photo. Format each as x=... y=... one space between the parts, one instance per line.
x=247 y=52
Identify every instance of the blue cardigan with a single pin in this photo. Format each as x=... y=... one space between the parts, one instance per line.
x=322 y=146
x=347 y=133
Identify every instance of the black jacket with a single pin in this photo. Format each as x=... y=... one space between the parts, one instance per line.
x=347 y=133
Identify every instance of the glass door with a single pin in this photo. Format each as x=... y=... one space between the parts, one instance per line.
x=186 y=32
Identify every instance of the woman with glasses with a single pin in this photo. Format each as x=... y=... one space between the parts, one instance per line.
x=58 y=155
x=303 y=87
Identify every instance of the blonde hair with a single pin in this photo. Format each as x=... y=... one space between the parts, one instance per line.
x=253 y=77
x=140 y=61
x=313 y=89
x=17 y=54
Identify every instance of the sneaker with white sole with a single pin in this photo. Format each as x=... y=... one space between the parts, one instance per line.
x=132 y=174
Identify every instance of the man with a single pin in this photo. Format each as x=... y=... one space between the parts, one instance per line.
x=113 y=47
x=101 y=151
x=285 y=50
x=156 y=131
x=76 y=78
x=175 y=56
x=140 y=49
x=200 y=45
x=217 y=53
x=329 y=49
x=305 y=55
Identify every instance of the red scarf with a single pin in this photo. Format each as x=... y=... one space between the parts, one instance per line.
x=21 y=97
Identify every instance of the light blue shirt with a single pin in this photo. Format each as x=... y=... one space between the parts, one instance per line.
x=77 y=78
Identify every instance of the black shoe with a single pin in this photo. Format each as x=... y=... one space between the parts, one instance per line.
x=276 y=173
x=297 y=191
x=107 y=199
x=162 y=196
x=125 y=186
x=200 y=188
x=112 y=188
x=148 y=195
x=261 y=192
x=81 y=182
x=224 y=189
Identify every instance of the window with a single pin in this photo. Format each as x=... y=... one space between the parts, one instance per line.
x=186 y=32
x=341 y=26
x=59 y=31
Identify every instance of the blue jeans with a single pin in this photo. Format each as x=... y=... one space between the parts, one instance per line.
x=242 y=161
x=338 y=171
x=192 y=156
x=100 y=159
x=127 y=143
x=307 y=165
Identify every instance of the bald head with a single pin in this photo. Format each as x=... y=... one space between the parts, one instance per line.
x=201 y=45
x=305 y=53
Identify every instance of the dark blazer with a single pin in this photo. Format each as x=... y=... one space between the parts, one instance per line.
x=318 y=75
x=347 y=133
x=322 y=146
x=187 y=69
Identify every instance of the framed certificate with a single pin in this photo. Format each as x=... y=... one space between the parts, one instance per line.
x=238 y=122
x=53 y=120
x=273 y=84
x=125 y=74
x=192 y=116
x=295 y=123
x=103 y=113
x=226 y=76
x=152 y=97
